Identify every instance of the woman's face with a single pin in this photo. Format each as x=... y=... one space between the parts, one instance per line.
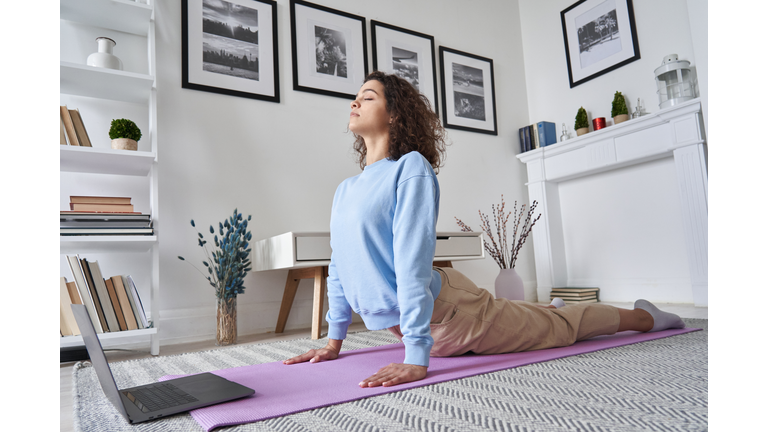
x=369 y=116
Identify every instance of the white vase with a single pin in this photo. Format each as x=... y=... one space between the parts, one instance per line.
x=103 y=57
x=509 y=285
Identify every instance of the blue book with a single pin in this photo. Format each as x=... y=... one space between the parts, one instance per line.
x=547 y=133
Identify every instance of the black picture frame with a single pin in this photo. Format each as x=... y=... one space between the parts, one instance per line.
x=329 y=50
x=213 y=63
x=468 y=92
x=599 y=36
x=391 y=44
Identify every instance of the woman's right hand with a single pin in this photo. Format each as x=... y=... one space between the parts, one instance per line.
x=315 y=355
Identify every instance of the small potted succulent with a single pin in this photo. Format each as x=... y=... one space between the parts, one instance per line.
x=124 y=134
x=619 y=110
x=582 y=123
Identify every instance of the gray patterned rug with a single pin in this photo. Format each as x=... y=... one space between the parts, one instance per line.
x=660 y=385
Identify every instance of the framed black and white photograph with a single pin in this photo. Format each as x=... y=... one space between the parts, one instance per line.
x=408 y=54
x=599 y=36
x=230 y=47
x=468 y=91
x=329 y=50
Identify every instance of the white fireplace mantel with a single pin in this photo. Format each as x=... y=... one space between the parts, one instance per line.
x=673 y=132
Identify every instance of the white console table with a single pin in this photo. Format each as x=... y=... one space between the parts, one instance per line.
x=307 y=255
x=676 y=131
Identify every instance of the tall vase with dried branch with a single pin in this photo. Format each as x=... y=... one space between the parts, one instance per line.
x=227 y=268
x=508 y=283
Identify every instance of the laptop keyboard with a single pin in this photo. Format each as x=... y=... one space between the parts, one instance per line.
x=159 y=396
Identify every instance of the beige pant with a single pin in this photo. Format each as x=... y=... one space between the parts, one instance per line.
x=469 y=319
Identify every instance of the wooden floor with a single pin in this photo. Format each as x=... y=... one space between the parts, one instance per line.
x=66 y=420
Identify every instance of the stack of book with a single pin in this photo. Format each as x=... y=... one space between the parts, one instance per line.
x=113 y=303
x=72 y=128
x=537 y=135
x=576 y=295
x=92 y=215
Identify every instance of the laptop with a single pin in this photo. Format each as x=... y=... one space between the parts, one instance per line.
x=153 y=401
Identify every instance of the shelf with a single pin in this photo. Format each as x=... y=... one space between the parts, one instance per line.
x=71 y=245
x=122 y=15
x=73 y=341
x=90 y=81
x=105 y=161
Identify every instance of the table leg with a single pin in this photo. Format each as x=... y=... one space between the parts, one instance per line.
x=317 y=305
x=291 y=285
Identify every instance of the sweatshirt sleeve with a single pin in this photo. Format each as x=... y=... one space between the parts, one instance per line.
x=414 y=249
x=339 y=314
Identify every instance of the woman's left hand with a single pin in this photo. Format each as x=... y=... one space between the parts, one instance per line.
x=394 y=374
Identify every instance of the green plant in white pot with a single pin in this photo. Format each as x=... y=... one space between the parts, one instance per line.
x=619 y=110
x=124 y=134
x=581 y=125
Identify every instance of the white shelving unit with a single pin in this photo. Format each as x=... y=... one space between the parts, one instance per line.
x=81 y=80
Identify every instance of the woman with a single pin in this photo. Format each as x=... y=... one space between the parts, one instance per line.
x=383 y=240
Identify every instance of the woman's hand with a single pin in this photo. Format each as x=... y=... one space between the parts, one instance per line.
x=394 y=374
x=330 y=352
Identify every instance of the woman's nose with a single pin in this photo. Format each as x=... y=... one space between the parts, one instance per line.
x=353 y=104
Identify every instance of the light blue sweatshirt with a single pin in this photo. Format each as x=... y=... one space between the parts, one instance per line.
x=383 y=239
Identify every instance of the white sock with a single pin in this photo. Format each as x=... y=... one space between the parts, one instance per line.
x=557 y=302
x=661 y=320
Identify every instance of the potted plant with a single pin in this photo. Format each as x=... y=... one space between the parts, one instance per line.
x=227 y=268
x=508 y=283
x=124 y=134
x=582 y=123
x=619 y=110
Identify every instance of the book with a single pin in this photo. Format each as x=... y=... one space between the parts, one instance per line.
x=522 y=140
x=63 y=138
x=109 y=208
x=103 y=296
x=69 y=126
x=115 y=304
x=125 y=303
x=99 y=200
x=73 y=231
x=547 y=133
x=534 y=137
x=68 y=324
x=74 y=294
x=527 y=135
x=97 y=302
x=592 y=300
x=109 y=216
x=576 y=295
x=77 y=121
x=82 y=287
x=138 y=306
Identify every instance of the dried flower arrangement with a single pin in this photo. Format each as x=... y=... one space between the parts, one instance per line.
x=227 y=266
x=504 y=256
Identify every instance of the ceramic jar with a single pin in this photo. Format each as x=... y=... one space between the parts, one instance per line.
x=103 y=57
x=509 y=285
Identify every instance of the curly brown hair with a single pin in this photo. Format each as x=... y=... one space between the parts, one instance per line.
x=415 y=126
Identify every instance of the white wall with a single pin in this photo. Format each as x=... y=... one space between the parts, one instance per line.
x=282 y=162
x=623 y=229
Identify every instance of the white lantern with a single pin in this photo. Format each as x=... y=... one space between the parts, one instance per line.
x=675 y=81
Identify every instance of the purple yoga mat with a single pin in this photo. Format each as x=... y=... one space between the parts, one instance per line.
x=287 y=389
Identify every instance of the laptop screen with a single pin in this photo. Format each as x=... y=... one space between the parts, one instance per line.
x=98 y=359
